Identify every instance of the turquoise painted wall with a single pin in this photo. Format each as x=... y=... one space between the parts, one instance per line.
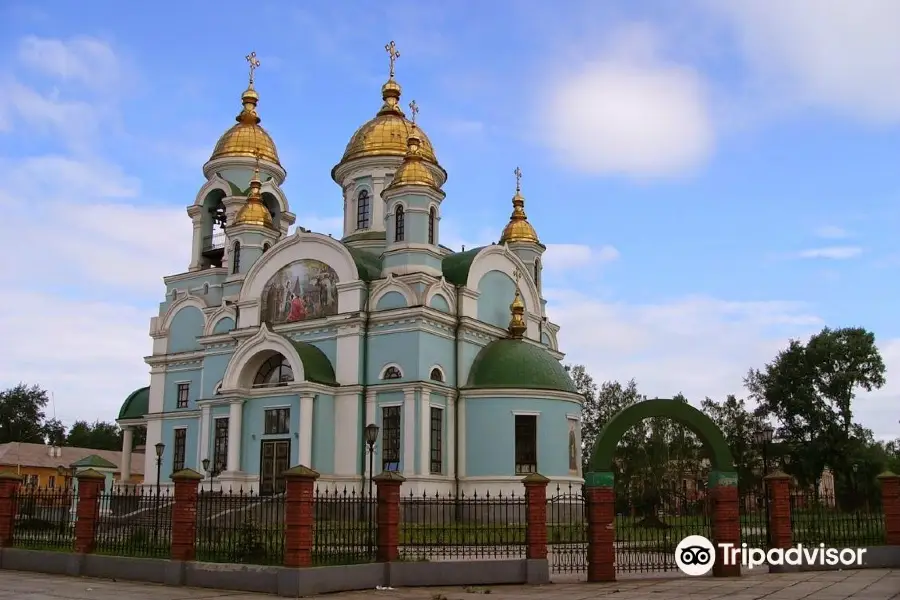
x=381 y=400
x=438 y=302
x=545 y=339
x=435 y=350
x=497 y=292
x=195 y=284
x=469 y=350
x=401 y=348
x=254 y=425
x=323 y=434
x=391 y=300
x=224 y=325
x=190 y=448
x=170 y=395
x=214 y=366
x=187 y=326
x=411 y=257
x=490 y=435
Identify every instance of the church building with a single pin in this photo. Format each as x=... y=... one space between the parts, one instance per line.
x=277 y=347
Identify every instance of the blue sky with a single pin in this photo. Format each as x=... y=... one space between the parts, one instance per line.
x=710 y=178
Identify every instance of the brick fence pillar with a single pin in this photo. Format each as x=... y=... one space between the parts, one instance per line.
x=387 y=515
x=600 y=505
x=535 y=516
x=87 y=512
x=778 y=488
x=726 y=520
x=300 y=516
x=9 y=487
x=890 y=504
x=184 y=514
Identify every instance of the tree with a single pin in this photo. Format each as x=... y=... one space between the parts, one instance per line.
x=96 y=436
x=54 y=432
x=739 y=426
x=22 y=414
x=809 y=389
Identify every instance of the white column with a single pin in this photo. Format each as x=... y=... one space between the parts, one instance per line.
x=425 y=433
x=125 y=467
x=203 y=446
x=306 y=429
x=235 y=427
x=450 y=436
x=370 y=408
x=461 y=440
x=409 y=432
x=197 y=245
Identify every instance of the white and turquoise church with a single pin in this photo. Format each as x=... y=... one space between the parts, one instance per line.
x=276 y=348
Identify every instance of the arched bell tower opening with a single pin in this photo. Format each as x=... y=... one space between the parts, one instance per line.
x=271 y=202
x=212 y=249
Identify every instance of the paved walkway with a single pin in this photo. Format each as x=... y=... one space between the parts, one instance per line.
x=869 y=584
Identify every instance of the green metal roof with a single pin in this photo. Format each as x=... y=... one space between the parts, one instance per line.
x=510 y=363
x=93 y=462
x=136 y=405
x=365 y=235
x=316 y=366
x=368 y=265
x=456 y=266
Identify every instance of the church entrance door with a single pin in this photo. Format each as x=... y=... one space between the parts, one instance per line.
x=275 y=459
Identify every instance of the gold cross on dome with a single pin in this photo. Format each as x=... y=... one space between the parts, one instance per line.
x=393 y=54
x=518 y=174
x=414 y=110
x=254 y=64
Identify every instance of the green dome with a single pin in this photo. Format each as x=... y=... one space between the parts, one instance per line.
x=510 y=363
x=136 y=405
x=316 y=366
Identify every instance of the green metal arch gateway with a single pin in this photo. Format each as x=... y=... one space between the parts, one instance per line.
x=601 y=471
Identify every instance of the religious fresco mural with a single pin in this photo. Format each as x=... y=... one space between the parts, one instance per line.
x=302 y=290
x=573 y=446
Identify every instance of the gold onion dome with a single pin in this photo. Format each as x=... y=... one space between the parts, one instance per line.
x=247 y=138
x=518 y=229
x=254 y=212
x=517 y=326
x=413 y=170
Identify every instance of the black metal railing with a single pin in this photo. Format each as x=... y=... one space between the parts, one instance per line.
x=135 y=522
x=471 y=526
x=754 y=518
x=214 y=241
x=818 y=518
x=567 y=529
x=345 y=527
x=241 y=527
x=45 y=519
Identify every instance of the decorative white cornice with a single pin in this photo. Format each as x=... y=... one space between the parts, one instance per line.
x=188 y=275
x=522 y=393
x=180 y=414
x=244 y=162
x=194 y=356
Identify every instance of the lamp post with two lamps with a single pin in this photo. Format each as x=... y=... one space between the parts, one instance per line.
x=371 y=436
x=763 y=438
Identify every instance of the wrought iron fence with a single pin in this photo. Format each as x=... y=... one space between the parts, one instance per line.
x=45 y=519
x=240 y=527
x=135 y=522
x=468 y=526
x=646 y=541
x=818 y=518
x=567 y=529
x=344 y=531
x=754 y=510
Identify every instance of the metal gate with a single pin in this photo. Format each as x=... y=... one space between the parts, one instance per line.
x=567 y=530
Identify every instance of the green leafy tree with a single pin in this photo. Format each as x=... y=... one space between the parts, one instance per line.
x=22 y=414
x=96 y=436
x=740 y=426
x=55 y=432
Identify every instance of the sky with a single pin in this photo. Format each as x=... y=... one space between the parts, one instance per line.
x=711 y=179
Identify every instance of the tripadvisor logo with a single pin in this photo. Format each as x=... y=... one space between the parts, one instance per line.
x=695 y=555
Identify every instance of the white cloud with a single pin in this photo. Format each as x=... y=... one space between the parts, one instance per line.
x=28 y=110
x=560 y=257
x=832 y=252
x=85 y=60
x=832 y=232
x=629 y=112
x=698 y=346
x=833 y=54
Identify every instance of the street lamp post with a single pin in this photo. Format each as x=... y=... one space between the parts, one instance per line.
x=371 y=436
x=763 y=439
x=160 y=449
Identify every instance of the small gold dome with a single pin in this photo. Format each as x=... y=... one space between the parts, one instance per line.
x=413 y=170
x=254 y=212
x=517 y=326
x=247 y=138
x=519 y=229
x=387 y=133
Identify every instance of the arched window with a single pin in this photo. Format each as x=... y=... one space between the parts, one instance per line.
x=399 y=225
x=266 y=246
x=275 y=371
x=362 y=210
x=392 y=373
x=432 y=214
x=436 y=375
x=236 y=257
